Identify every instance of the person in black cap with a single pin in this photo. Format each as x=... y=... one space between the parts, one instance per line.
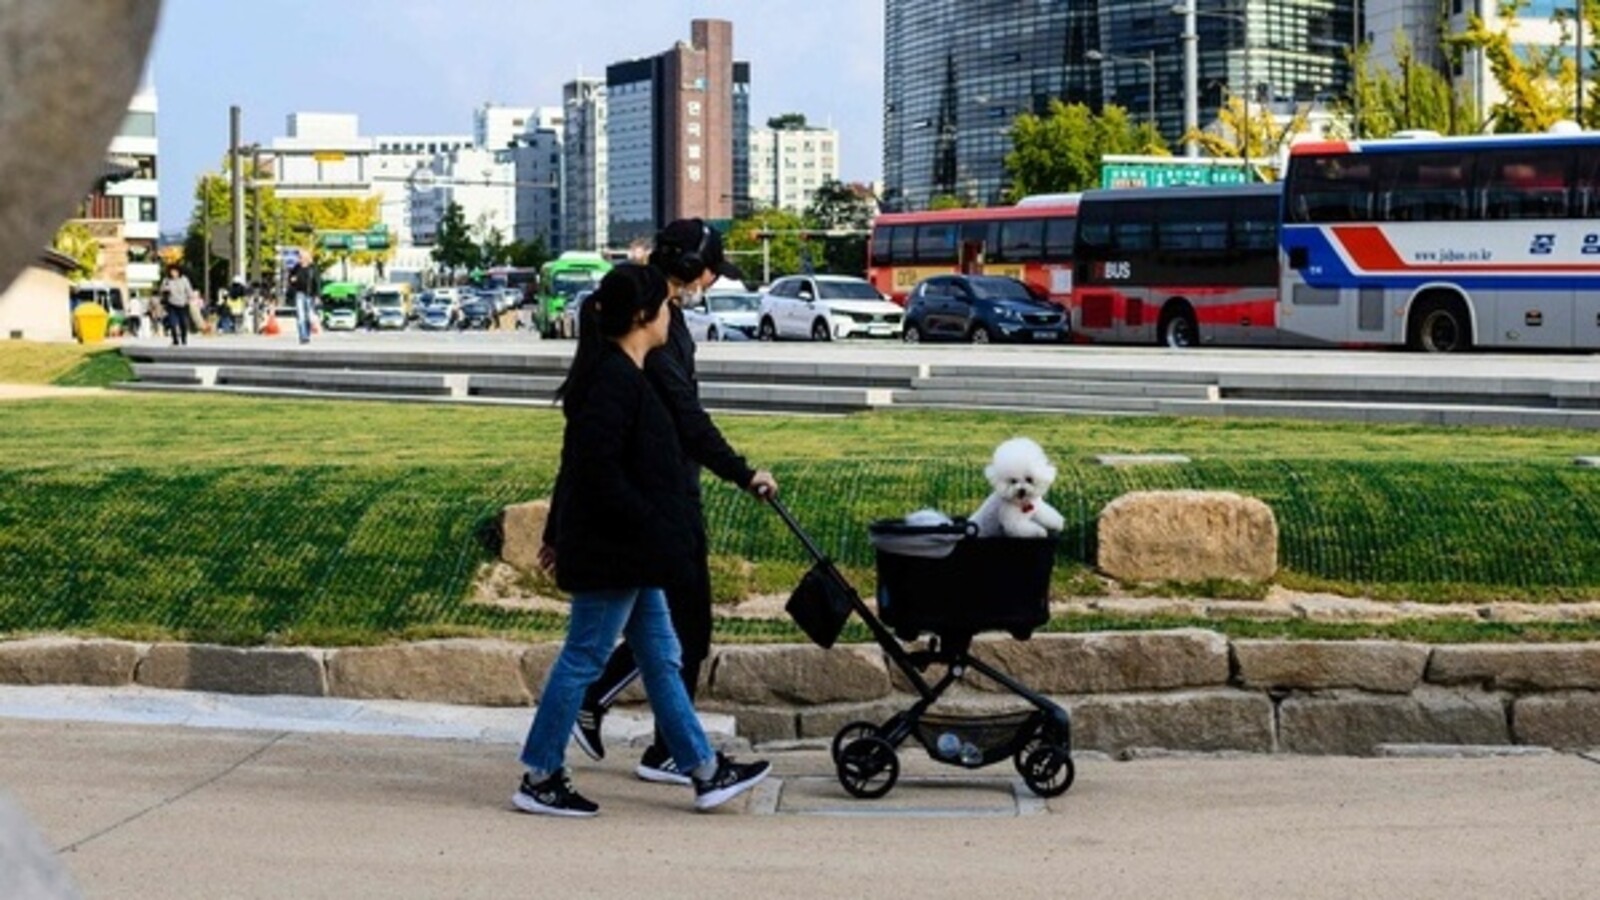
x=689 y=253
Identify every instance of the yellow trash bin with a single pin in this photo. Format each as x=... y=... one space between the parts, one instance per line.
x=89 y=320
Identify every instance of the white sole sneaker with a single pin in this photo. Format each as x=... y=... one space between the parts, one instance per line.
x=527 y=804
x=716 y=798
x=661 y=776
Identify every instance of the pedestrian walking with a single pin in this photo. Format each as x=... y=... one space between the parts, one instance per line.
x=625 y=528
x=689 y=253
x=177 y=295
x=304 y=283
x=138 y=308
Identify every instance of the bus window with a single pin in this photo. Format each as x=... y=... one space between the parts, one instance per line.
x=1430 y=187
x=1586 y=186
x=903 y=245
x=1524 y=184
x=936 y=244
x=1133 y=236
x=881 y=238
x=1058 y=237
x=1195 y=234
x=1336 y=188
x=1021 y=240
x=1255 y=224
x=979 y=233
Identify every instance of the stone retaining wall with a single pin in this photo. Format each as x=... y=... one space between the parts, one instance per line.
x=1184 y=689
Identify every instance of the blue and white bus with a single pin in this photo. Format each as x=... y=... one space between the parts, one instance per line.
x=1443 y=244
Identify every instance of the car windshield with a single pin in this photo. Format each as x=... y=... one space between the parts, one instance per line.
x=730 y=303
x=386 y=300
x=568 y=284
x=848 y=290
x=1000 y=289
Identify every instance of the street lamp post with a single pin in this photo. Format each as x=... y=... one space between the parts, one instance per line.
x=1149 y=61
x=1189 y=12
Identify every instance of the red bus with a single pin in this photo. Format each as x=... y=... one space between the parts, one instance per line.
x=1178 y=267
x=1032 y=242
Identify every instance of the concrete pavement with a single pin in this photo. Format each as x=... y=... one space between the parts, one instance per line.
x=147 y=811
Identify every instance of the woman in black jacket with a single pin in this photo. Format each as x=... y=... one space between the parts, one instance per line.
x=625 y=528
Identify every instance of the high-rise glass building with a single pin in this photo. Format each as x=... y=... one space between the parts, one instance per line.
x=958 y=72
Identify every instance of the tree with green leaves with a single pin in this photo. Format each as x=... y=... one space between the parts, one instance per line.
x=1414 y=96
x=494 y=250
x=1539 y=82
x=787 y=122
x=784 y=231
x=75 y=240
x=1061 y=150
x=528 y=254
x=836 y=206
x=1237 y=124
x=453 y=246
x=947 y=201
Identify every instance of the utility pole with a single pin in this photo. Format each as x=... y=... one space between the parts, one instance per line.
x=255 y=217
x=1191 y=79
x=236 y=266
x=205 y=232
x=1578 y=110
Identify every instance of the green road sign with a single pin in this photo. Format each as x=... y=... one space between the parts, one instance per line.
x=1170 y=171
x=375 y=238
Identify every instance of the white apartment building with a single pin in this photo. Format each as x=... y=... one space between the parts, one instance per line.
x=496 y=127
x=788 y=165
x=402 y=167
x=536 y=155
x=584 y=164
x=482 y=182
x=136 y=144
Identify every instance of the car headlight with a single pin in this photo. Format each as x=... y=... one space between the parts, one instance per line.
x=1008 y=313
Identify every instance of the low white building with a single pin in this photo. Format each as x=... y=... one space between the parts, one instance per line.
x=401 y=164
x=536 y=156
x=788 y=165
x=136 y=145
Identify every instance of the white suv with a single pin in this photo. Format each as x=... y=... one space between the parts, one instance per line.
x=824 y=307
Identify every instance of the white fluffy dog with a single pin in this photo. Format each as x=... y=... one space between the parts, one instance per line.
x=1021 y=474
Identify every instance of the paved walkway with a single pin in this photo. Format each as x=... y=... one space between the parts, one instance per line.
x=141 y=811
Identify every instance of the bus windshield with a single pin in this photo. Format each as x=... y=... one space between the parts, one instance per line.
x=570 y=283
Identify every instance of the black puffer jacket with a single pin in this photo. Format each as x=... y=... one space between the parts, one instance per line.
x=624 y=517
x=672 y=369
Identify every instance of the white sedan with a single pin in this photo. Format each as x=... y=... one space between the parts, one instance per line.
x=824 y=307
x=724 y=315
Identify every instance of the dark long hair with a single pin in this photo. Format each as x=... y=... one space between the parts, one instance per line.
x=627 y=294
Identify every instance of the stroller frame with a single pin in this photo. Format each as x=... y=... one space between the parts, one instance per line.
x=1039 y=742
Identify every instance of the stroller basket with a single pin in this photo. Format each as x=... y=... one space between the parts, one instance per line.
x=977 y=741
x=984 y=584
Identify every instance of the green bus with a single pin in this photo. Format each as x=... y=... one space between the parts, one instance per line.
x=560 y=281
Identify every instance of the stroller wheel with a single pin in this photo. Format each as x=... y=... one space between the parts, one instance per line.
x=1046 y=769
x=849 y=733
x=868 y=767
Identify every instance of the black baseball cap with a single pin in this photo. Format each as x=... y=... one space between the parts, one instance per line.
x=696 y=236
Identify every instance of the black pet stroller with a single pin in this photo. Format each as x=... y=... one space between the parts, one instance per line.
x=943 y=582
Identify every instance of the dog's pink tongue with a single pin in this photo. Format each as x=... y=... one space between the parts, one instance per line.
x=1027 y=507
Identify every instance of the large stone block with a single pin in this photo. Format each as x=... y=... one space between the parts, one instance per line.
x=758 y=724
x=475 y=673
x=825 y=721
x=1110 y=662
x=1188 y=536
x=1538 y=667
x=1564 y=721
x=227 y=670
x=68 y=661
x=1354 y=724
x=522 y=533
x=798 y=674
x=1200 y=721
x=1381 y=666
x=536 y=662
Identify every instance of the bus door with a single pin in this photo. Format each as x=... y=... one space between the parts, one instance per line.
x=975 y=241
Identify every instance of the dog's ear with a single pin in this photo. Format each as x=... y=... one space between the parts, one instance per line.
x=988 y=473
x=1049 y=473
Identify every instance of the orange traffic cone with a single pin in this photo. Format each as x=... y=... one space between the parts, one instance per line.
x=271 y=328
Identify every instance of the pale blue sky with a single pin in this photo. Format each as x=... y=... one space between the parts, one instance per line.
x=408 y=66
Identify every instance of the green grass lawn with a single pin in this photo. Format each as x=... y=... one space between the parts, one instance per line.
x=67 y=365
x=238 y=520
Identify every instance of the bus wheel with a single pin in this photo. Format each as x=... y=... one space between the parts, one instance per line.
x=1178 y=330
x=767 y=331
x=1440 y=326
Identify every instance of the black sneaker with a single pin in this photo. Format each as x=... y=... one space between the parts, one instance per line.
x=553 y=796
x=731 y=780
x=658 y=766
x=586 y=731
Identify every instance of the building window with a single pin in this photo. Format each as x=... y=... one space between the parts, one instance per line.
x=139 y=124
x=147 y=209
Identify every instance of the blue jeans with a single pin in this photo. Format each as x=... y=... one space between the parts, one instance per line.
x=597 y=618
x=302 y=315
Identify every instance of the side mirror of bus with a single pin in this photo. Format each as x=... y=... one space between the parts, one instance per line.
x=1299 y=258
